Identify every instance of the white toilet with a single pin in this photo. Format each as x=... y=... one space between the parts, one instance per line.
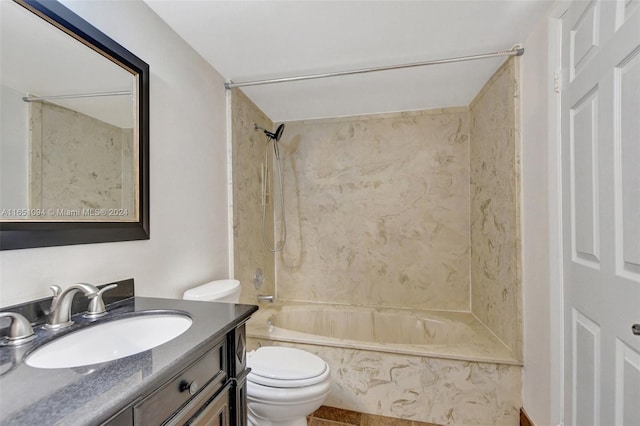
x=215 y=291
x=285 y=385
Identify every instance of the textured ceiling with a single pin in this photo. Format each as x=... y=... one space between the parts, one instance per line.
x=248 y=40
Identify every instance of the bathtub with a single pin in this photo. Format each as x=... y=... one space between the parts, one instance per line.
x=431 y=366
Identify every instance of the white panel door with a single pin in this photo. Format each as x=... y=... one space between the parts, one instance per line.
x=601 y=211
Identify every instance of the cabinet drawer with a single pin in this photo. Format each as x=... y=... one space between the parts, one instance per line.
x=205 y=409
x=168 y=399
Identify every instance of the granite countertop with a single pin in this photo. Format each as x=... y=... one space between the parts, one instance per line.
x=92 y=394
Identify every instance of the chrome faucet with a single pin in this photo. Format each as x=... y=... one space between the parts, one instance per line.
x=20 y=330
x=60 y=313
x=265 y=298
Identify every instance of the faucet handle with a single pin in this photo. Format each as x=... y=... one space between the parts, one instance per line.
x=56 y=289
x=96 y=304
x=107 y=288
x=20 y=330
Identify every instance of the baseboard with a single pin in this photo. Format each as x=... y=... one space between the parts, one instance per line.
x=524 y=419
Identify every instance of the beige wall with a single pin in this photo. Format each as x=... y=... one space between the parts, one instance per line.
x=495 y=196
x=541 y=250
x=14 y=149
x=378 y=210
x=188 y=180
x=248 y=146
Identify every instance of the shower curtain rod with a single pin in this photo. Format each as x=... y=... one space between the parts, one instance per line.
x=80 y=95
x=515 y=51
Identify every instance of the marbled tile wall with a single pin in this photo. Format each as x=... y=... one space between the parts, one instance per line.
x=247 y=157
x=441 y=391
x=77 y=163
x=377 y=210
x=129 y=171
x=495 y=219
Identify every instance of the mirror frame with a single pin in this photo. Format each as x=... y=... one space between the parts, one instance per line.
x=24 y=234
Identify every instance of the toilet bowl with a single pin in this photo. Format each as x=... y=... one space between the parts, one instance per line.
x=285 y=385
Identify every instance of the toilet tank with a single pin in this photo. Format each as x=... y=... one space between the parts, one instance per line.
x=215 y=291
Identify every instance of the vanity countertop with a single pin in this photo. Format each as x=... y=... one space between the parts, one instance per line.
x=92 y=394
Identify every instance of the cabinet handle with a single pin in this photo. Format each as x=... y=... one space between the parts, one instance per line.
x=191 y=387
x=635 y=328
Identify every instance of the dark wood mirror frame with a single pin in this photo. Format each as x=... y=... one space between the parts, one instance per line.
x=20 y=235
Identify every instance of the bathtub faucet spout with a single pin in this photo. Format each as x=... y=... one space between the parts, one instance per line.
x=265 y=298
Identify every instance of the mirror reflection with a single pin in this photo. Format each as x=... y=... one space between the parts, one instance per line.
x=68 y=138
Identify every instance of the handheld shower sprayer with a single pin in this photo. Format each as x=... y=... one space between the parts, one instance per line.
x=273 y=137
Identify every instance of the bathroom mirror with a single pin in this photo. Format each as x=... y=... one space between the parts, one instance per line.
x=74 y=134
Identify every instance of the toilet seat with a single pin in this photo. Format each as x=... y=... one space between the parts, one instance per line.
x=282 y=367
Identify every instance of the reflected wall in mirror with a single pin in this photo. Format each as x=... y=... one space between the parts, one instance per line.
x=74 y=131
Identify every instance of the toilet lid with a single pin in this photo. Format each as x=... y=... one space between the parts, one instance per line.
x=212 y=290
x=285 y=367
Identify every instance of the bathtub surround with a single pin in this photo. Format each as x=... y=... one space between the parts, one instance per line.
x=496 y=293
x=415 y=210
x=378 y=210
x=247 y=158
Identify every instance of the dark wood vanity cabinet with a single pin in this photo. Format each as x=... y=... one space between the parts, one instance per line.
x=237 y=340
x=209 y=391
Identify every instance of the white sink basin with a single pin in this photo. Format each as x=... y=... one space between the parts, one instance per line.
x=110 y=340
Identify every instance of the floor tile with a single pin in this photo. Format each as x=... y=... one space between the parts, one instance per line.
x=371 y=420
x=338 y=415
x=330 y=416
x=314 y=421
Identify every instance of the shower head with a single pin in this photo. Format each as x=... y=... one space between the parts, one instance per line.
x=278 y=133
x=275 y=135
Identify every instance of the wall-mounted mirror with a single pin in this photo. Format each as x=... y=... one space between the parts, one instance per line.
x=74 y=131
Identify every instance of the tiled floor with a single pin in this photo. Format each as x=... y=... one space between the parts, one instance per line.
x=329 y=416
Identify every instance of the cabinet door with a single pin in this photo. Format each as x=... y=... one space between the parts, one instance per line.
x=216 y=413
x=240 y=401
